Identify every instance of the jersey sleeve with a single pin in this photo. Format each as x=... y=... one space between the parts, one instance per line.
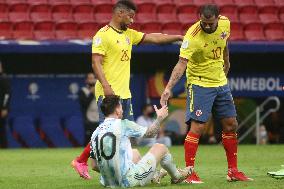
x=99 y=45
x=229 y=28
x=131 y=129
x=185 y=50
x=137 y=37
x=225 y=22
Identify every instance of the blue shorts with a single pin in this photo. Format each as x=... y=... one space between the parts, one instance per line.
x=126 y=107
x=204 y=101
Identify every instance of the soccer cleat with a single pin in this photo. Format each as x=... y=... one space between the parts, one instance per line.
x=184 y=173
x=159 y=174
x=193 y=179
x=81 y=169
x=235 y=175
x=277 y=174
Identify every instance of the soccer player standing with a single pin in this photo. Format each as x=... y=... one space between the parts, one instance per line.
x=204 y=55
x=111 y=54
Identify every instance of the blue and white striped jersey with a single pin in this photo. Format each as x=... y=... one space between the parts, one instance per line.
x=112 y=150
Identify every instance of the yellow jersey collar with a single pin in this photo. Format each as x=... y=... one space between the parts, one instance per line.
x=116 y=30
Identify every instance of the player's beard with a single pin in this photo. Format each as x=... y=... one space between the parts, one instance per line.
x=209 y=31
x=123 y=26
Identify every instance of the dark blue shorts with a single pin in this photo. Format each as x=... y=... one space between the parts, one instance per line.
x=204 y=101
x=126 y=107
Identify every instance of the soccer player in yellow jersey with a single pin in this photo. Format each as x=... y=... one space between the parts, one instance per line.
x=111 y=54
x=205 y=56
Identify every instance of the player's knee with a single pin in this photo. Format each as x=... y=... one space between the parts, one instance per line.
x=136 y=153
x=136 y=156
x=231 y=125
x=161 y=147
x=197 y=127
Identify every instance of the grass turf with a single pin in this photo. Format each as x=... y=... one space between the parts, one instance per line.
x=50 y=168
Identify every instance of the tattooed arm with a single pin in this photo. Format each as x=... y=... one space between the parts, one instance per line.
x=154 y=129
x=226 y=60
x=175 y=77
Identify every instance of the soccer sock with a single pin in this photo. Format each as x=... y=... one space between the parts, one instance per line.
x=168 y=164
x=230 y=143
x=190 y=148
x=83 y=158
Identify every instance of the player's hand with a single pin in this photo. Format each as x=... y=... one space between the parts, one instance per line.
x=161 y=113
x=165 y=97
x=108 y=90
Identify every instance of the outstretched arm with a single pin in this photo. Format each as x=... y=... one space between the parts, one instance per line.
x=154 y=129
x=175 y=77
x=158 y=38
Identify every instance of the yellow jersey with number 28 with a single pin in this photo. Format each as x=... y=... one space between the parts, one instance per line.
x=115 y=46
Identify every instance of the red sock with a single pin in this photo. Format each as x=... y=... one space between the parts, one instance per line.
x=85 y=154
x=190 y=148
x=230 y=144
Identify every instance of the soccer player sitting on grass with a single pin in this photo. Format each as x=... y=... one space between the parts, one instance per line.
x=119 y=164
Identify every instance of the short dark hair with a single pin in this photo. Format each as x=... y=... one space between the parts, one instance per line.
x=110 y=102
x=129 y=4
x=209 y=10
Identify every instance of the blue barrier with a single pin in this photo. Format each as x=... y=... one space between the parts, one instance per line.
x=24 y=127
x=53 y=101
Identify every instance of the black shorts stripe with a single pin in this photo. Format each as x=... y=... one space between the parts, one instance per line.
x=143 y=175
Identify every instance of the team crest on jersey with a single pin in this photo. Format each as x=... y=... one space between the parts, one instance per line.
x=198 y=113
x=128 y=40
x=223 y=35
x=185 y=44
x=97 y=41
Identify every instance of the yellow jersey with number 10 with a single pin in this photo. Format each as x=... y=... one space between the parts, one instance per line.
x=116 y=47
x=204 y=53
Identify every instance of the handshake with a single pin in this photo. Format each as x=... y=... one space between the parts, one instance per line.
x=162 y=113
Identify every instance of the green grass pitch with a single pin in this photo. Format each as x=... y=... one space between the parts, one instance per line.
x=50 y=168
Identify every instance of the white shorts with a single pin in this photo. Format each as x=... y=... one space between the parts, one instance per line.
x=142 y=172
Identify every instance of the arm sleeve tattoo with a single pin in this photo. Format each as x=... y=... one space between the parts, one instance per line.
x=177 y=72
x=153 y=130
